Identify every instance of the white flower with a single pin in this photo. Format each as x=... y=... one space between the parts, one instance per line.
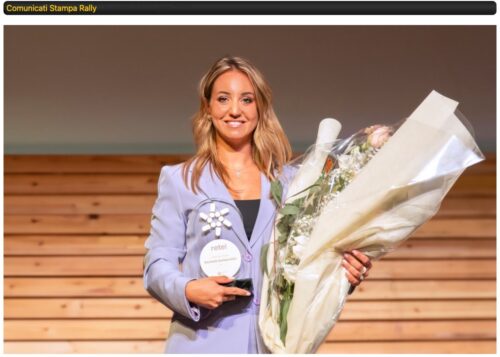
x=290 y=272
x=298 y=250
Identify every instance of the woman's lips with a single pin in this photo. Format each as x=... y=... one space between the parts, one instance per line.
x=234 y=123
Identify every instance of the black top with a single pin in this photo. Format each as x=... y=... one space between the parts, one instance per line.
x=249 y=210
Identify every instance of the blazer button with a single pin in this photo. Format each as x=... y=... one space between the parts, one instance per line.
x=247 y=257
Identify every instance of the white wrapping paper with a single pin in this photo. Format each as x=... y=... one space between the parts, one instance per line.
x=399 y=189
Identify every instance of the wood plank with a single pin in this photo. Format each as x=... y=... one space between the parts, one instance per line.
x=59 y=184
x=489 y=165
x=393 y=347
x=88 y=347
x=133 y=163
x=419 y=310
x=89 y=163
x=158 y=346
x=74 y=266
x=142 y=204
x=91 y=329
x=78 y=204
x=129 y=329
x=434 y=269
x=468 y=185
x=140 y=224
x=16 y=308
x=74 y=287
x=429 y=248
x=467 y=207
x=85 y=308
x=132 y=266
x=77 y=224
x=457 y=228
x=412 y=330
x=445 y=249
x=133 y=287
x=474 y=185
x=427 y=289
x=74 y=245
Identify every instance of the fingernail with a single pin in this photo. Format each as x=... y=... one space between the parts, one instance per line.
x=346 y=255
x=248 y=293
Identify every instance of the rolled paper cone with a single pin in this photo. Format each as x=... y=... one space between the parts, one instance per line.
x=306 y=175
x=310 y=169
x=328 y=131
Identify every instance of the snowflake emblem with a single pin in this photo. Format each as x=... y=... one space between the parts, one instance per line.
x=215 y=220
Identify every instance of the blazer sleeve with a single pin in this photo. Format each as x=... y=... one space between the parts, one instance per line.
x=166 y=246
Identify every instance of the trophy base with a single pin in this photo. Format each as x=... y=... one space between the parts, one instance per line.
x=245 y=284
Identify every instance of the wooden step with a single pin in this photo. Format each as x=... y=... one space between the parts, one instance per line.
x=133 y=287
x=132 y=266
x=359 y=331
x=131 y=163
x=428 y=248
x=71 y=184
x=424 y=289
x=89 y=163
x=78 y=204
x=393 y=347
x=88 y=329
x=140 y=224
x=143 y=204
x=337 y=347
x=26 y=308
x=75 y=245
x=468 y=185
x=87 y=347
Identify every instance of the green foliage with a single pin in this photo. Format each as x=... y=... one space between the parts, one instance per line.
x=277 y=191
x=263 y=258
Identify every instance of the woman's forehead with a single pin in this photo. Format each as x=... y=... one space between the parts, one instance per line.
x=233 y=80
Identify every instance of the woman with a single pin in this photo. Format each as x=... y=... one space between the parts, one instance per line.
x=219 y=200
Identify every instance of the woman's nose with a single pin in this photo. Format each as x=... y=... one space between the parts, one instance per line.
x=235 y=110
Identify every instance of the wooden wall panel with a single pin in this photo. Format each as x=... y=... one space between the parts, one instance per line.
x=337 y=347
x=75 y=228
x=371 y=289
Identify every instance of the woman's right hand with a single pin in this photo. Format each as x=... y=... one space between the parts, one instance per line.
x=208 y=293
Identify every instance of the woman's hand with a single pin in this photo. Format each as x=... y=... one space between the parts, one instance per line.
x=357 y=266
x=207 y=292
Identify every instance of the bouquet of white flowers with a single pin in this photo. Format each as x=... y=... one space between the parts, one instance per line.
x=368 y=192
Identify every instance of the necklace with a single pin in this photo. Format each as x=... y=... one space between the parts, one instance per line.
x=237 y=171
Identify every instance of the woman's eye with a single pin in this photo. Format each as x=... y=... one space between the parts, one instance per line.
x=222 y=99
x=247 y=100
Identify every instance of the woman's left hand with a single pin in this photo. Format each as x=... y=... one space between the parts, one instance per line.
x=357 y=266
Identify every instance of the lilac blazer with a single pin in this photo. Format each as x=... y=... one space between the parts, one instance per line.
x=172 y=259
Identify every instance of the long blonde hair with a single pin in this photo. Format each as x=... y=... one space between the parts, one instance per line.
x=270 y=146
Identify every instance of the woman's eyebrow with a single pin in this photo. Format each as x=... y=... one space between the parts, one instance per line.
x=244 y=93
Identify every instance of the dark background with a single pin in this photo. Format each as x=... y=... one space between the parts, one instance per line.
x=133 y=89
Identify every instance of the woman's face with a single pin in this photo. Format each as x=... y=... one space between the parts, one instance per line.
x=233 y=107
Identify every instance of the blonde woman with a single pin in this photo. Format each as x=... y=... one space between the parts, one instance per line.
x=214 y=213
